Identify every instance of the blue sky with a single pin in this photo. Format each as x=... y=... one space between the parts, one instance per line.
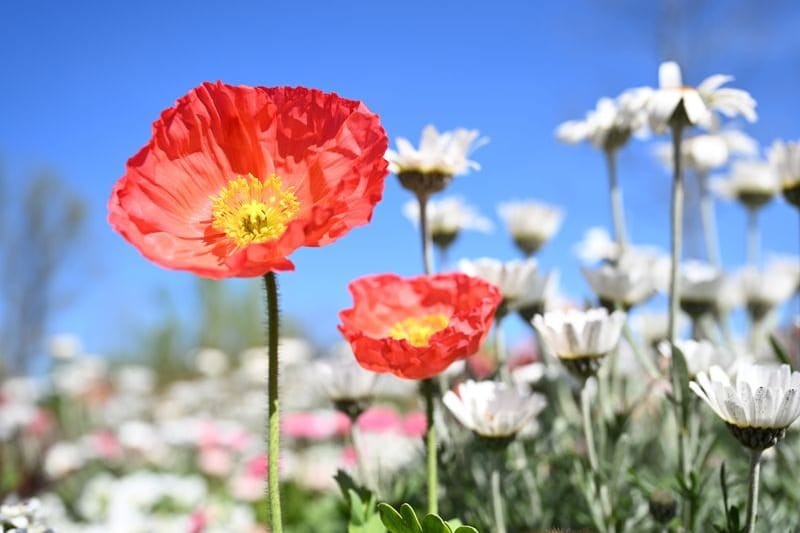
x=83 y=81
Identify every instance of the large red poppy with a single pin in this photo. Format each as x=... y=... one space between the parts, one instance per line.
x=415 y=328
x=235 y=178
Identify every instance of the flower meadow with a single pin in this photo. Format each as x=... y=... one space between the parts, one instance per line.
x=606 y=415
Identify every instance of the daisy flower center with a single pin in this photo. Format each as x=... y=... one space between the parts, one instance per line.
x=251 y=211
x=418 y=330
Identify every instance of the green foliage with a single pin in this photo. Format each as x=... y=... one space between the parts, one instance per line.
x=405 y=521
x=364 y=517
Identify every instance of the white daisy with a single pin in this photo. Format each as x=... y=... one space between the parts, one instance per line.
x=697 y=105
x=447 y=218
x=627 y=282
x=701 y=284
x=610 y=124
x=751 y=182
x=767 y=289
x=596 y=245
x=531 y=224
x=438 y=153
x=708 y=151
x=492 y=409
x=519 y=281
x=758 y=406
x=785 y=160
x=580 y=339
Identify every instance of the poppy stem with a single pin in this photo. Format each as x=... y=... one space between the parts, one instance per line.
x=428 y=388
x=615 y=193
x=752 y=490
x=273 y=491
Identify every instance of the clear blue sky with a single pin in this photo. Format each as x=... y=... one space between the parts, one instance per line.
x=83 y=81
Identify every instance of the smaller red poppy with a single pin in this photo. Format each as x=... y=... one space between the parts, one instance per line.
x=415 y=328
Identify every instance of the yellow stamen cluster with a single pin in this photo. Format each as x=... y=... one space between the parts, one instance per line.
x=418 y=330
x=251 y=211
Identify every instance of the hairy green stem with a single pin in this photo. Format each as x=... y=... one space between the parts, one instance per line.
x=274 y=489
x=752 y=490
x=615 y=193
x=430 y=439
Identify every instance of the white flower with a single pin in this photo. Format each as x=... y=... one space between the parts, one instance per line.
x=785 y=160
x=767 y=289
x=610 y=124
x=700 y=355
x=65 y=346
x=698 y=103
x=519 y=281
x=63 y=458
x=596 y=245
x=579 y=334
x=448 y=216
x=443 y=153
x=211 y=362
x=761 y=397
x=628 y=282
x=530 y=223
x=705 y=152
x=23 y=517
x=137 y=380
x=751 y=182
x=493 y=409
x=344 y=380
x=700 y=282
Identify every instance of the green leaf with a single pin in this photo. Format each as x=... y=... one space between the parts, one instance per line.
x=780 y=353
x=434 y=524
x=410 y=518
x=681 y=375
x=466 y=529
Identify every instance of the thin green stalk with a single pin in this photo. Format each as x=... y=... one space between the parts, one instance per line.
x=752 y=490
x=676 y=231
x=676 y=220
x=497 y=501
x=430 y=439
x=708 y=221
x=591 y=449
x=615 y=193
x=753 y=238
x=274 y=489
x=425 y=234
x=428 y=385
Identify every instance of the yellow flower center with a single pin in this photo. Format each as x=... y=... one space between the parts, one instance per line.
x=251 y=211
x=418 y=330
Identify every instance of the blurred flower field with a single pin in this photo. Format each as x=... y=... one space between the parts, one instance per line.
x=667 y=401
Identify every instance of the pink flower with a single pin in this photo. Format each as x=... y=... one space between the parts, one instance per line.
x=379 y=420
x=215 y=461
x=315 y=426
x=415 y=424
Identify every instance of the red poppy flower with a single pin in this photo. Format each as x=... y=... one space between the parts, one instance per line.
x=234 y=179
x=415 y=328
